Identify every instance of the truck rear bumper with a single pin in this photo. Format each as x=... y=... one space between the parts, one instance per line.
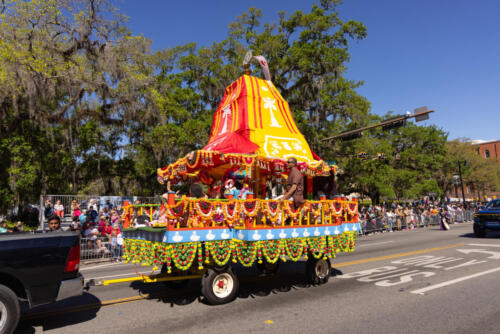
x=70 y=288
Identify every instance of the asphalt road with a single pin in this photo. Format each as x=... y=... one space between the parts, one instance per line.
x=420 y=281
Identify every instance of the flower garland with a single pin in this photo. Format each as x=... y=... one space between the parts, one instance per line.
x=183 y=254
x=294 y=248
x=352 y=208
x=272 y=210
x=176 y=211
x=220 y=250
x=248 y=161
x=330 y=253
x=271 y=250
x=250 y=207
x=315 y=209
x=196 y=160
x=204 y=208
x=351 y=241
x=167 y=257
x=247 y=252
x=230 y=211
x=317 y=246
x=288 y=208
x=336 y=208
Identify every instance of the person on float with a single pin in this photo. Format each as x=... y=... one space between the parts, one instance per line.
x=295 y=184
x=231 y=189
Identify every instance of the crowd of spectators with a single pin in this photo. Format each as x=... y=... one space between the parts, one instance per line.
x=99 y=225
x=423 y=213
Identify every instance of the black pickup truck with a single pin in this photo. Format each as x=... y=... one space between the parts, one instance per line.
x=39 y=268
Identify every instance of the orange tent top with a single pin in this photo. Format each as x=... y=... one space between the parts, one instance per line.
x=254 y=118
x=252 y=124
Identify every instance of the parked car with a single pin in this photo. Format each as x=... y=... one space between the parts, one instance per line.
x=487 y=218
x=39 y=268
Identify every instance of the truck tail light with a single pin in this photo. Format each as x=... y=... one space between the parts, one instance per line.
x=73 y=262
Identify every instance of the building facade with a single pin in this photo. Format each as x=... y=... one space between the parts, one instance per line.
x=489 y=149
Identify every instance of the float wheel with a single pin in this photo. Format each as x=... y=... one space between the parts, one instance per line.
x=219 y=286
x=318 y=271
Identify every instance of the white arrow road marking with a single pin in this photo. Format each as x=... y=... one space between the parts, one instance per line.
x=494 y=255
x=484 y=245
x=465 y=264
x=440 y=285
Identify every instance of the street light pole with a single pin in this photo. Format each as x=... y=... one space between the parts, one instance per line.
x=461 y=182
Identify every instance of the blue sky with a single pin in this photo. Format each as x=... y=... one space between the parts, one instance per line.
x=444 y=54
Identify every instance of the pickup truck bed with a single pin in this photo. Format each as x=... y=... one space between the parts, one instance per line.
x=40 y=268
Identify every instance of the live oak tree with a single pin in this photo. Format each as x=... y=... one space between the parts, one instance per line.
x=71 y=77
x=86 y=107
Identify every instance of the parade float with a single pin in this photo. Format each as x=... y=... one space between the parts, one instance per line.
x=253 y=134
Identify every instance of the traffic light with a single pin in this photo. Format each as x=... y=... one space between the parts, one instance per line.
x=362 y=155
x=352 y=136
x=394 y=125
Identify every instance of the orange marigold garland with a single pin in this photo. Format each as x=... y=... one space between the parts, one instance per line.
x=272 y=210
x=230 y=211
x=176 y=211
x=192 y=163
x=204 y=208
x=336 y=208
x=352 y=208
x=288 y=208
x=250 y=207
x=315 y=208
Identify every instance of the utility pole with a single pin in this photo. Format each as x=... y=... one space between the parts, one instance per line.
x=461 y=182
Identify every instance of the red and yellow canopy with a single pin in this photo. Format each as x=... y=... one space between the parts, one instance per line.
x=252 y=125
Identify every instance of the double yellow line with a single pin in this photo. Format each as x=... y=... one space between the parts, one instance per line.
x=393 y=256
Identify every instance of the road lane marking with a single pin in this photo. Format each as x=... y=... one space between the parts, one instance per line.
x=457 y=280
x=126 y=275
x=103 y=266
x=374 y=244
x=468 y=263
x=484 y=245
x=85 y=307
x=494 y=255
x=393 y=256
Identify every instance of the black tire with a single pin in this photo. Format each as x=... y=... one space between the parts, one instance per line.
x=479 y=232
x=174 y=285
x=219 y=286
x=9 y=310
x=267 y=268
x=318 y=271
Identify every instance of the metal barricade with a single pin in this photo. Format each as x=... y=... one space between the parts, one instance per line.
x=99 y=249
x=85 y=201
